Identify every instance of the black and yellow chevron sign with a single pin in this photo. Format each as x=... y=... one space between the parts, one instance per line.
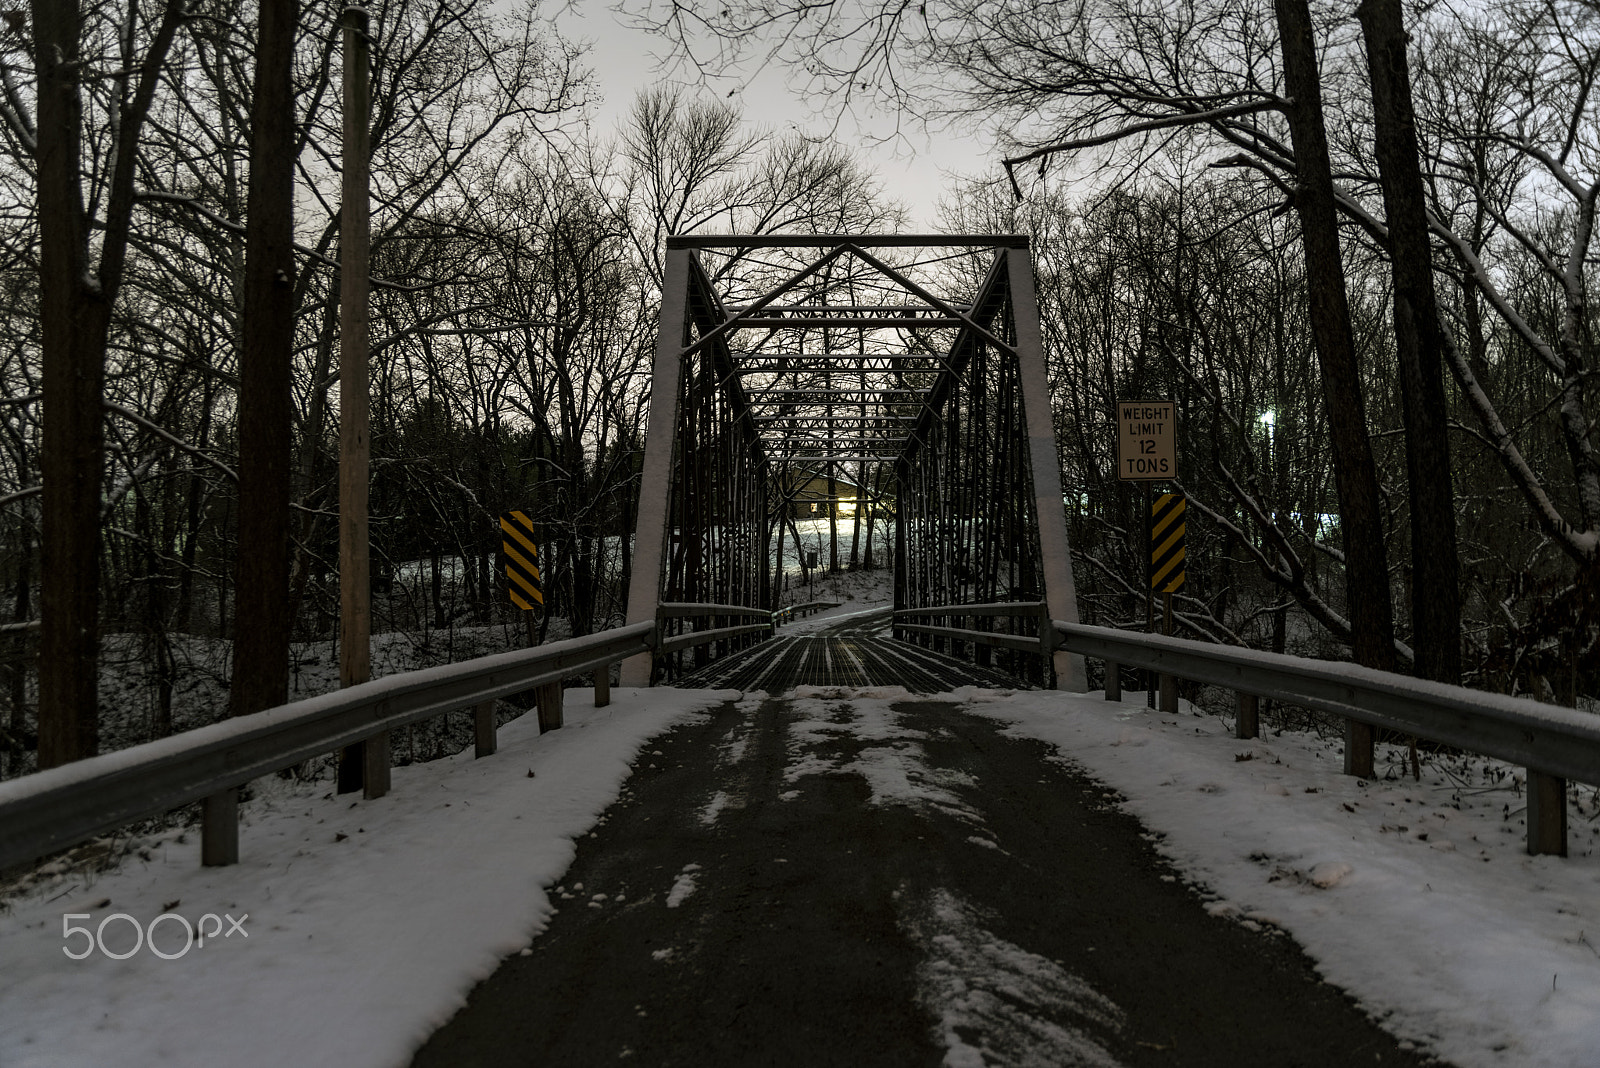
x=522 y=559
x=1166 y=543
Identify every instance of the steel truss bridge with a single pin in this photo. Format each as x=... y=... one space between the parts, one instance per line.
x=908 y=366
x=914 y=366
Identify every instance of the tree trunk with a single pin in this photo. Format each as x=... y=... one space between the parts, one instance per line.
x=266 y=327
x=1366 y=570
x=75 y=318
x=71 y=311
x=436 y=588
x=1435 y=581
x=21 y=607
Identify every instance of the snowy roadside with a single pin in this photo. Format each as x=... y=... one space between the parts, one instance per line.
x=364 y=924
x=830 y=617
x=1416 y=898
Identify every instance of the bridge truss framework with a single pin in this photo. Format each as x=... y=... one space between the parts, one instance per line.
x=850 y=365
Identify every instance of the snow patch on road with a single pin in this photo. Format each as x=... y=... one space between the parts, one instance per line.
x=892 y=760
x=684 y=886
x=713 y=808
x=998 y=1005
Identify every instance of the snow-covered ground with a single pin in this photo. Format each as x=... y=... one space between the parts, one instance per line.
x=855 y=593
x=814 y=539
x=363 y=924
x=1417 y=898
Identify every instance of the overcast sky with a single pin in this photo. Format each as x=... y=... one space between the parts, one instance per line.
x=915 y=169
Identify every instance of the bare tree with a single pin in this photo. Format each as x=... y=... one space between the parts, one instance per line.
x=266 y=360
x=77 y=294
x=1507 y=156
x=1435 y=571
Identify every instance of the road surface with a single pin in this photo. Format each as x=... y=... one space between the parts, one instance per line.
x=825 y=879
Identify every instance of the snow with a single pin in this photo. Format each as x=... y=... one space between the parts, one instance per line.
x=1417 y=899
x=1002 y=995
x=365 y=923
x=683 y=886
x=814 y=536
x=894 y=768
x=832 y=617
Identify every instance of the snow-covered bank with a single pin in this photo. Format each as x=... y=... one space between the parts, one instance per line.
x=364 y=923
x=1416 y=898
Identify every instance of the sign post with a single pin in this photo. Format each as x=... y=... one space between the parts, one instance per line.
x=1167 y=560
x=1147 y=451
x=523 y=584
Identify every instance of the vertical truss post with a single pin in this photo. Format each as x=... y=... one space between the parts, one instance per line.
x=655 y=485
x=1060 y=595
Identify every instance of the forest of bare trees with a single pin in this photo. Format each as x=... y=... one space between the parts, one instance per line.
x=514 y=273
x=1158 y=156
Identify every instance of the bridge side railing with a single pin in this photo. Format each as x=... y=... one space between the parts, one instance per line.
x=60 y=807
x=1028 y=630
x=708 y=628
x=1552 y=743
x=790 y=612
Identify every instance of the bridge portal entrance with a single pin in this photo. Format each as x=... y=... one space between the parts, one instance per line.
x=898 y=379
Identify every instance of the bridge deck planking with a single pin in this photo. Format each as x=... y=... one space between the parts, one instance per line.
x=848 y=658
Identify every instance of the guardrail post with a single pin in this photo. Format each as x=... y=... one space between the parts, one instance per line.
x=375 y=773
x=483 y=736
x=1246 y=725
x=219 y=829
x=1113 y=681
x=1358 y=740
x=1547 y=814
x=1167 y=685
x=1047 y=645
x=602 y=686
x=548 y=700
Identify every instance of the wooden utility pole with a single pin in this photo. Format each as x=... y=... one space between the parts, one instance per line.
x=364 y=764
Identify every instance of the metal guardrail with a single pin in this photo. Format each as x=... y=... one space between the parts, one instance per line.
x=705 y=637
x=1040 y=641
x=679 y=610
x=678 y=622
x=976 y=637
x=1554 y=743
x=61 y=807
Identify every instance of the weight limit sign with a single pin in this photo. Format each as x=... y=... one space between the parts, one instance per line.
x=1147 y=449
